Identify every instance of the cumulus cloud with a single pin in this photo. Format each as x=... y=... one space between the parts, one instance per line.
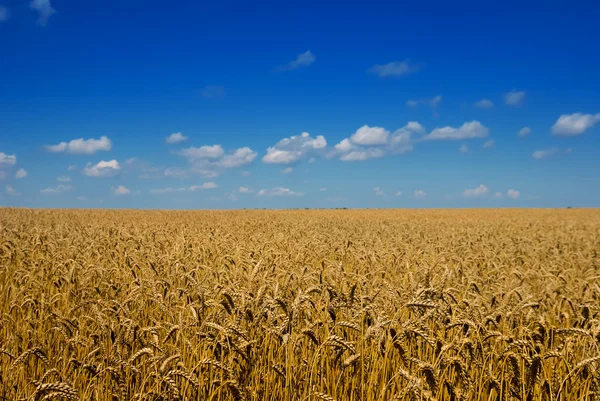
x=469 y=130
x=514 y=98
x=394 y=69
x=303 y=60
x=489 y=144
x=419 y=193
x=7 y=160
x=463 y=148
x=203 y=152
x=293 y=149
x=81 y=146
x=21 y=173
x=213 y=91
x=366 y=135
x=287 y=170
x=11 y=191
x=542 y=154
x=176 y=137
x=479 y=191
x=56 y=190
x=122 y=190
x=208 y=161
x=524 y=131
x=431 y=102
x=378 y=191
x=513 y=193
x=4 y=14
x=574 y=124
x=240 y=157
x=44 y=9
x=359 y=155
x=279 y=191
x=484 y=104
x=102 y=169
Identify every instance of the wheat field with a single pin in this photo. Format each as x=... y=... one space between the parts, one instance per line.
x=300 y=305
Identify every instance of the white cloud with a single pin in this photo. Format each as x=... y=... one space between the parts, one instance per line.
x=82 y=146
x=7 y=160
x=480 y=190
x=21 y=173
x=44 y=9
x=245 y=190
x=63 y=179
x=213 y=91
x=72 y=167
x=278 y=192
x=394 y=69
x=4 y=13
x=463 y=148
x=359 y=155
x=574 y=124
x=513 y=193
x=398 y=193
x=419 y=194
x=484 y=104
x=292 y=149
x=469 y=130
x=366 y=135
x=524 y=131
x=303 y=60
x=121 y=190
x=56 y=190
x=206 y=185
x=542 y=154
x=344 y=146
x=239 y=157
x=432 y=102
x=203 y=152
x=514 y=97
x=489 y=144
x=175 y=172
x=378 y=191
x=102 y=169
x=176 y=137
x=287 y=170
x=323 y=190
x=11 y=191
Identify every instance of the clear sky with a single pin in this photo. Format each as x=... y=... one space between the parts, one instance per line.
x=227 y=104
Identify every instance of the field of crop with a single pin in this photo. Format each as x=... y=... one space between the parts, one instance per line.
x=300 y=305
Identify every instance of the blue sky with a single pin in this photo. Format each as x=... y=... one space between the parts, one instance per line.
x=147 y=104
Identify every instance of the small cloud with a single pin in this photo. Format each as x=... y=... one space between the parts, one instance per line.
x=21 y=173
x=378 y=191
x=480 y=190
x=293 y=149
x=484 y=104
x=81 y=146
x=360 y=155
x=419 y=194
x=432 y=102
x=206 y=185
x=176 y=137
x=524 y=131
x=203 y=152
x=323 y=189
x=498 y=195
x=542 y=154
x=463 y=148
x=63 y=179
x=72 y=167
x=514 y=98
x=56 y=190
x=278 y=192
x=469 y=130
x=574 y=124
x=287 y=170
x=513 y=193
x=4 y=14
x=394 y=69
x=7 y=160
x=489 y=144
x=245 y=190
x=240 y=157
x=213 y=91
x=121 y=190
x=102 y=169
x=44 y=9
x=11 y=191
x=303 y=60
x=398 y=194
x=366 y=135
